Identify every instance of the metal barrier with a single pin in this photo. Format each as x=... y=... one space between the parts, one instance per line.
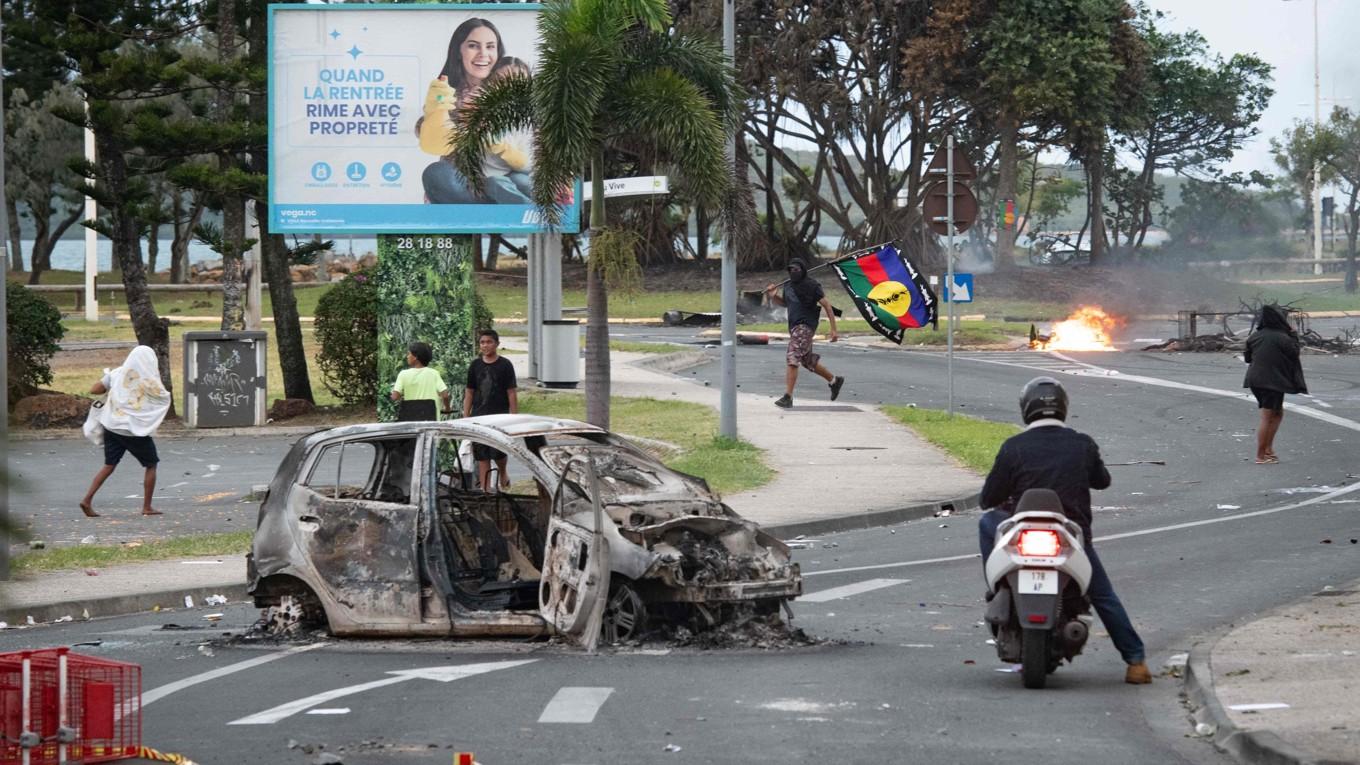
x=58 y=707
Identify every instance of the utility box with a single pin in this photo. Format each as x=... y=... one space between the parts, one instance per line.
x=224 y=379
x=560 y=366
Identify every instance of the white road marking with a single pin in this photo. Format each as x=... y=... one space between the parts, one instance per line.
x=156 y=694
x=1323 y=498
x=329 y=711
x=849 y=590
x=440 y=674
x=575 y=705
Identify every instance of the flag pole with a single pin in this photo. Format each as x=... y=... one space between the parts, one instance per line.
x=844 y=257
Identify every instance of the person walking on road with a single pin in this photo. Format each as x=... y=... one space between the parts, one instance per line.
x=491 y=389
x=1050 y=455
x=418 y=387
x=136 y=405
x=1273 y=370
x=805 y=299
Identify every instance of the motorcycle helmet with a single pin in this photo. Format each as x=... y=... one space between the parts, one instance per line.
x=1043 y=398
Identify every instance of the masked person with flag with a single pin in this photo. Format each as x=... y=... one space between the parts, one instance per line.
x=804 y=299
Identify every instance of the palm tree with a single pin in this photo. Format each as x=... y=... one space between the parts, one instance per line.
x=614 y=81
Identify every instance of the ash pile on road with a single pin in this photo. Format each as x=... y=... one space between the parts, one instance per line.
x=742 y=629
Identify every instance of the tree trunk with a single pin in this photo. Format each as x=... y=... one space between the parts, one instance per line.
x=597 y=312
x=701 y=225
x=16 y=242
x=44 y=244
x=151 y=330
x=770 y=185
x=153 y=247
x=233 y=203
x=1096 y=172
x=1007 y=171
x=179 y=246
x=274 y=252
x=1352 y=212
x=477 y=263
x=493 y=253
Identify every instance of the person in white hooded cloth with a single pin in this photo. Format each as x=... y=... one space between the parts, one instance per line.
x=136 y=406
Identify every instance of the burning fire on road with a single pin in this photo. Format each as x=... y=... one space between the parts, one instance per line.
x=1087 y=329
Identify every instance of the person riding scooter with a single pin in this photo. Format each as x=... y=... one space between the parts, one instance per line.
x=1049 y=455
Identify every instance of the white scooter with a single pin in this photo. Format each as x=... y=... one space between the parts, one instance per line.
x=1037 y=575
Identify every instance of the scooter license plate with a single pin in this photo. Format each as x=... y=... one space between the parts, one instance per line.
x=1037 y=582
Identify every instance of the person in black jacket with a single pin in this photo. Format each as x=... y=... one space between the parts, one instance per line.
x=1049 y=455
x=1273 y=370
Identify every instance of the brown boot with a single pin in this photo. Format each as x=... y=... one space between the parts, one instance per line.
x=1137 y=674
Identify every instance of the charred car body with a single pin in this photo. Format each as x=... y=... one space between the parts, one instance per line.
x=380 y=530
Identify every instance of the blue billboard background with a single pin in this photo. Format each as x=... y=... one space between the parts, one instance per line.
x=360 y=100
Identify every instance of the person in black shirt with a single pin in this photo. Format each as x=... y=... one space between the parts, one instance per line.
x=1273 y=355
x=805 y=300
x=491 y=389
x=1049 y=455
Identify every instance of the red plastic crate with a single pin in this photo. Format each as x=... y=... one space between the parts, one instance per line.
x=98 y=705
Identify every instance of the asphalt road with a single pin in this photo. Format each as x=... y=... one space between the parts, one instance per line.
x=904 y=674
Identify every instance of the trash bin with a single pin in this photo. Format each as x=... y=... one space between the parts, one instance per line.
x=560 y=366
x=224 y=379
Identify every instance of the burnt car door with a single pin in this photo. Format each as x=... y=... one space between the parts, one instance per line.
x=575 y=580
x=359 y=525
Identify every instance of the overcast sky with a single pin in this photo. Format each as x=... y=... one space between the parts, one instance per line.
x=1280 y=33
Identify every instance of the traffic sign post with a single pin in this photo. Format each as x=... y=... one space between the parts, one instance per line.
x=959 y=211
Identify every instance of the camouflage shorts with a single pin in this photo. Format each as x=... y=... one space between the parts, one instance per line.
x=800 y=347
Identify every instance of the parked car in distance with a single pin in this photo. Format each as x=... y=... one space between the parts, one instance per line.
x=380 y=529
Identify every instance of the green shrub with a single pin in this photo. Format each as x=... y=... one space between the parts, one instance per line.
x=347 y=331
x=34 y=329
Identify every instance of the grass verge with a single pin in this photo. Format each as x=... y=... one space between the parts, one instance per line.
x=96 y=556
x=969 y=440
x=728 y=466
x=627 y=346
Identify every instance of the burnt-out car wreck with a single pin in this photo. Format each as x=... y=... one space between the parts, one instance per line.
x=381 y=530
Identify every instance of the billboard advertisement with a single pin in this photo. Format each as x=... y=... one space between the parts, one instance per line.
x=362 y=101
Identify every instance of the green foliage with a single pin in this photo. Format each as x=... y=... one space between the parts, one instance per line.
x=426 y=295
x=34 y=329
x=1215 y=216
x=1052 y=196
x=613 y=253
x=347 y=330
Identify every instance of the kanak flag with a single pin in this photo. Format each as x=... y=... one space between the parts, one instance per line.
x=888 y=290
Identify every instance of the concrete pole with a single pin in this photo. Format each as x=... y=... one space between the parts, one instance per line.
x=727 y=415
x=254 y=268
x=1317 y=166
x=535 y=314
x=91 y=238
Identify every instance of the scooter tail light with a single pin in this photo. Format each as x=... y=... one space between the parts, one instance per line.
x=1039 y=543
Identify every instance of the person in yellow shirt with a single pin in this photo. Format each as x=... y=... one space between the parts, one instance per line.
x=418 y=387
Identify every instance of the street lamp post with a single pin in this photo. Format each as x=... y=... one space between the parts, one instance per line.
x=727 y=411
x=1317 y=166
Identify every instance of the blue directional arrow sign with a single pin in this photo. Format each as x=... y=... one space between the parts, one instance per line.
x=961 y=291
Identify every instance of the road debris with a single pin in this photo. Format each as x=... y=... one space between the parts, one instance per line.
x=215 y=600
x=671 y=748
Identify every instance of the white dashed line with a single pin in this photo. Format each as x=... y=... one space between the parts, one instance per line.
x=850 y=590
x=575 y=705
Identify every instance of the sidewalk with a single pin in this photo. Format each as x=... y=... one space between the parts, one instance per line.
x=839 y=466
x=1282 y=689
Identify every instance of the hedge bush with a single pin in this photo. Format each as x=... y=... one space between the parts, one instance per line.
x=34 y=329
x=347 y=331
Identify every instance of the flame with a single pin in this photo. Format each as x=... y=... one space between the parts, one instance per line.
x=1087 y=329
